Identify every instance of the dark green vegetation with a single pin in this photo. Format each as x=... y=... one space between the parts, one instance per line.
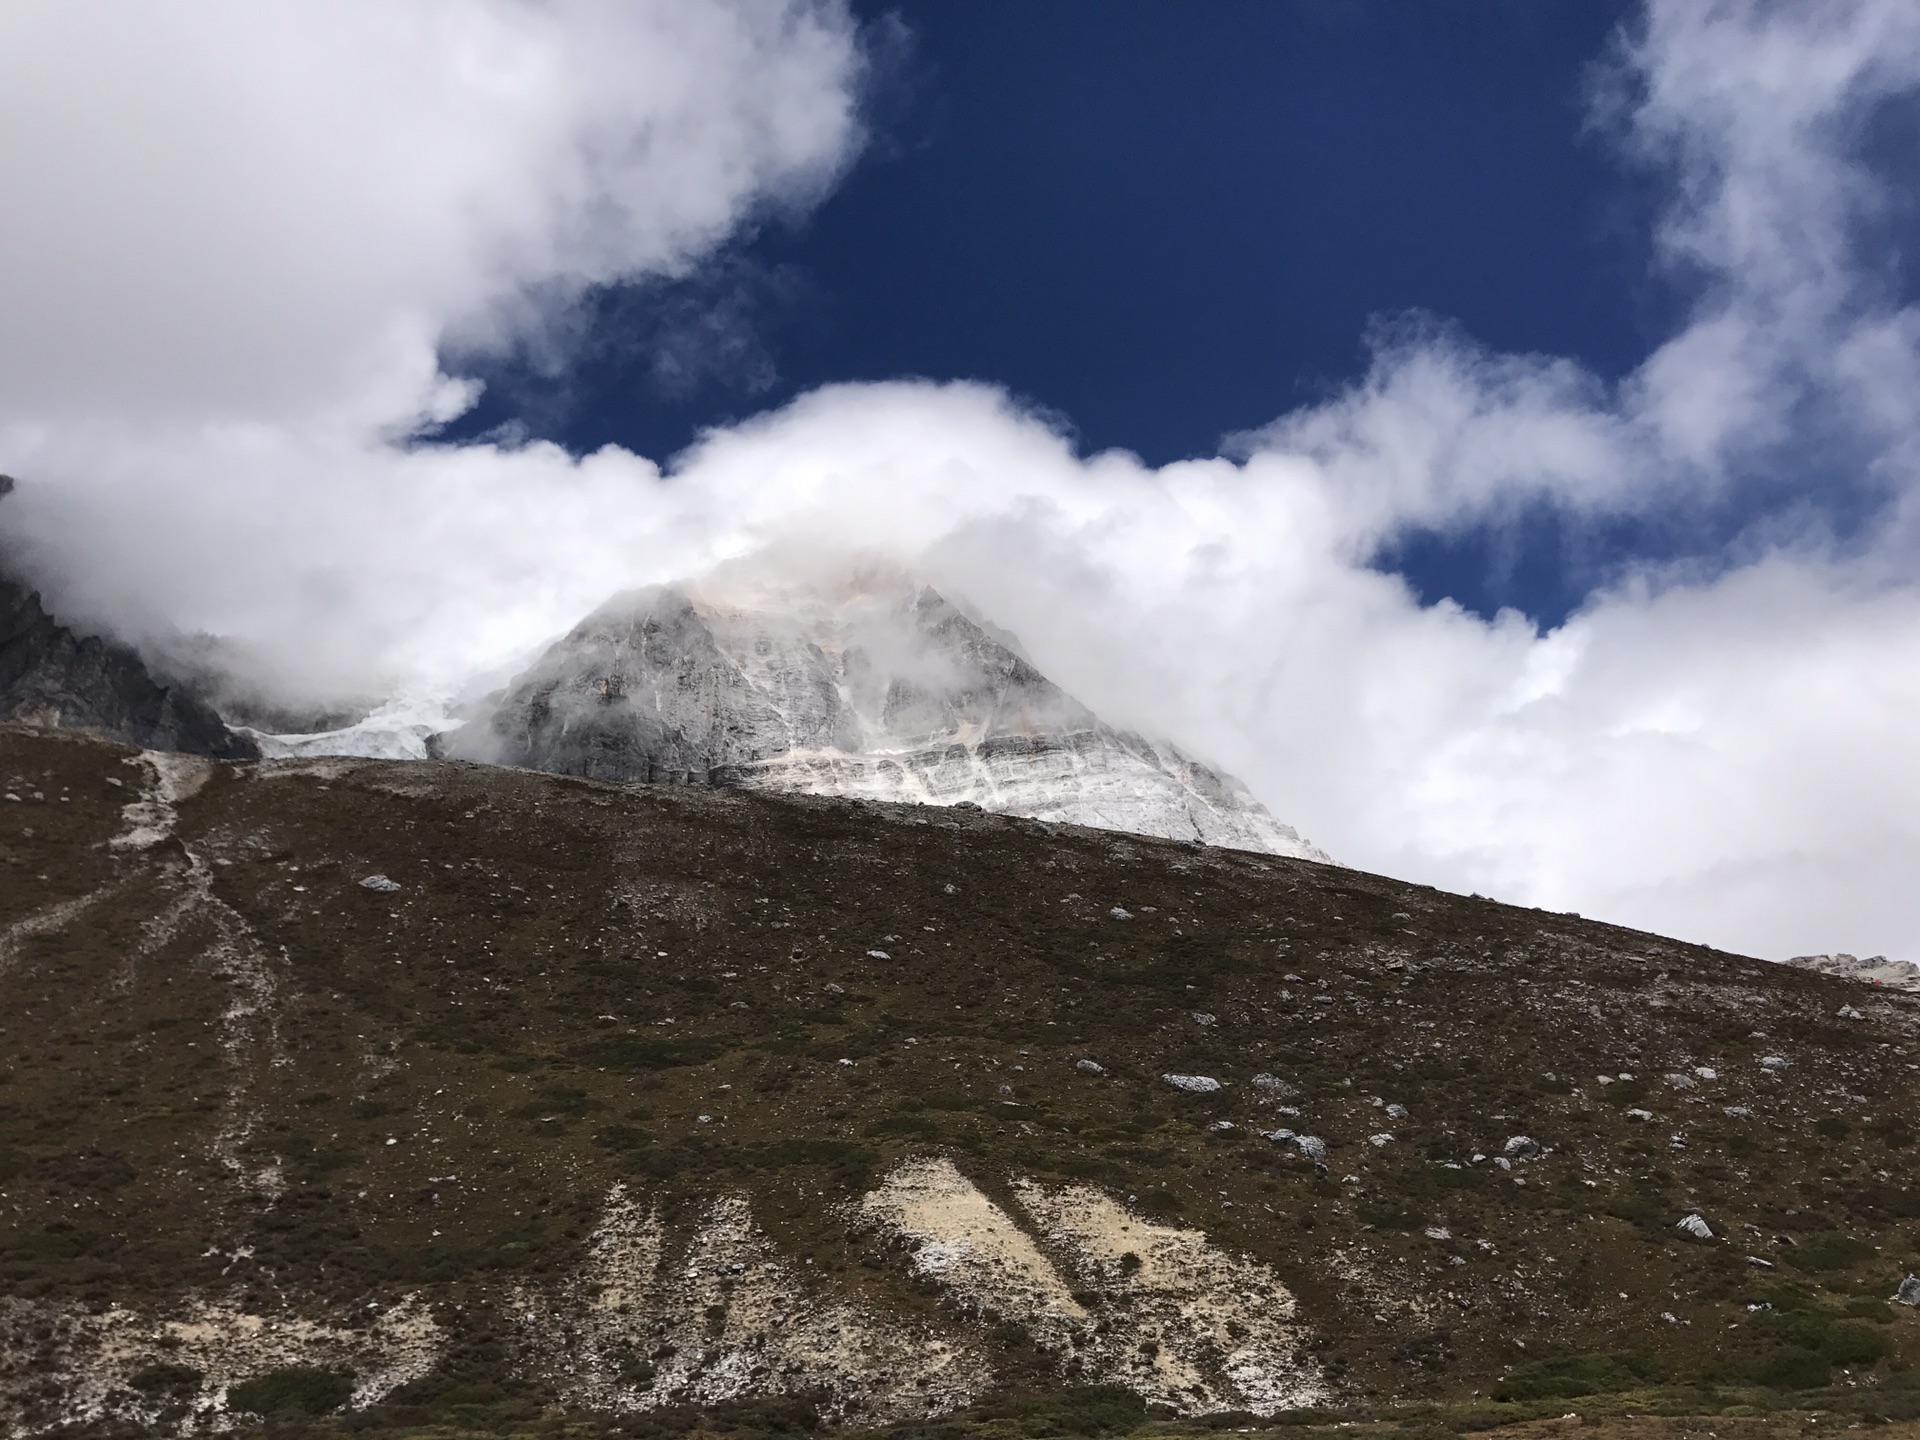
x=292 y=1092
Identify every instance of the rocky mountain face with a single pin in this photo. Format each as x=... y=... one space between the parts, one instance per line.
x=50 y=676
x=882 y=690
x=53 y=677
x=473 y=1101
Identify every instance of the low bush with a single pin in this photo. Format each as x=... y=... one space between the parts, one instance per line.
x=294 y=1390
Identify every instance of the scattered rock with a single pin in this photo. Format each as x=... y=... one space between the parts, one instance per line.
x=1679 y=1081
x=1696 y=1227
x=832 y=989
x=380 y=883
x=1638 y=1114
x=1380 y=1142
x=1274 y=1085
x=1311 y=1146
x=1201 y=1017
x=1522 y=1147
x=1706 y=1072
x=1193 y=1084
x=1758 y=1263
x=878 y=955
x=1120 y=914
x=1438 y=1232
x=1773 y=1062
x=1220 y=1126
x=1090 y=1067
x=1396 y=1112
x=1847 y=1012
x=1909 y=1291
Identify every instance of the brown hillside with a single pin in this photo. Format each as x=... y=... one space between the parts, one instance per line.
x=645 y=1102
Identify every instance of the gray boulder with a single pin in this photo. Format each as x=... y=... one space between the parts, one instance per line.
x=1193 y=1084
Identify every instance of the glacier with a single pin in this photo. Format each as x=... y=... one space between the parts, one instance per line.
x=402 y=729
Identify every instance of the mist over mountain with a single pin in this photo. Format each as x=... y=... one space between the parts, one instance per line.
x=55 y=677
x=870 y=685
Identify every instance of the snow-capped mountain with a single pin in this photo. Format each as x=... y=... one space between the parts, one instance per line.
x=880 y=689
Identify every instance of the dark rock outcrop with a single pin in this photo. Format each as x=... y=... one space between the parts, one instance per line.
x=53 y=677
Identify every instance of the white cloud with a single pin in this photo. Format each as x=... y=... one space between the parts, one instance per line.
x=236 y=210
x=1721 y=752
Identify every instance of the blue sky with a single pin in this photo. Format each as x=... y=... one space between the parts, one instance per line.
x=1165 y=224
x=1488 y=430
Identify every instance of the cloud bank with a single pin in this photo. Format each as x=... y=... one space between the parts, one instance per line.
x=254 y=230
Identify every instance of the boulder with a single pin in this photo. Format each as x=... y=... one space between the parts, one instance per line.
x=1193 y=1084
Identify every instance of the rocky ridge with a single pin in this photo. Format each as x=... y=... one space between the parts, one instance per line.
x=51 y=676
x=1873 y=970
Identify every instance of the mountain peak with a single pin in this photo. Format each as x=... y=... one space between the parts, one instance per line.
x=872 y=684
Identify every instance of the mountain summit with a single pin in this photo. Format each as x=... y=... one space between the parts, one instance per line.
x=879 y=689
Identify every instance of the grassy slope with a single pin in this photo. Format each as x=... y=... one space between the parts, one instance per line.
x=573 y=974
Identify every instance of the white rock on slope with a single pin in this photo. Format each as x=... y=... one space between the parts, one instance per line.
x=1873 y=970
x=1180 y=1322
x=880 y=689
